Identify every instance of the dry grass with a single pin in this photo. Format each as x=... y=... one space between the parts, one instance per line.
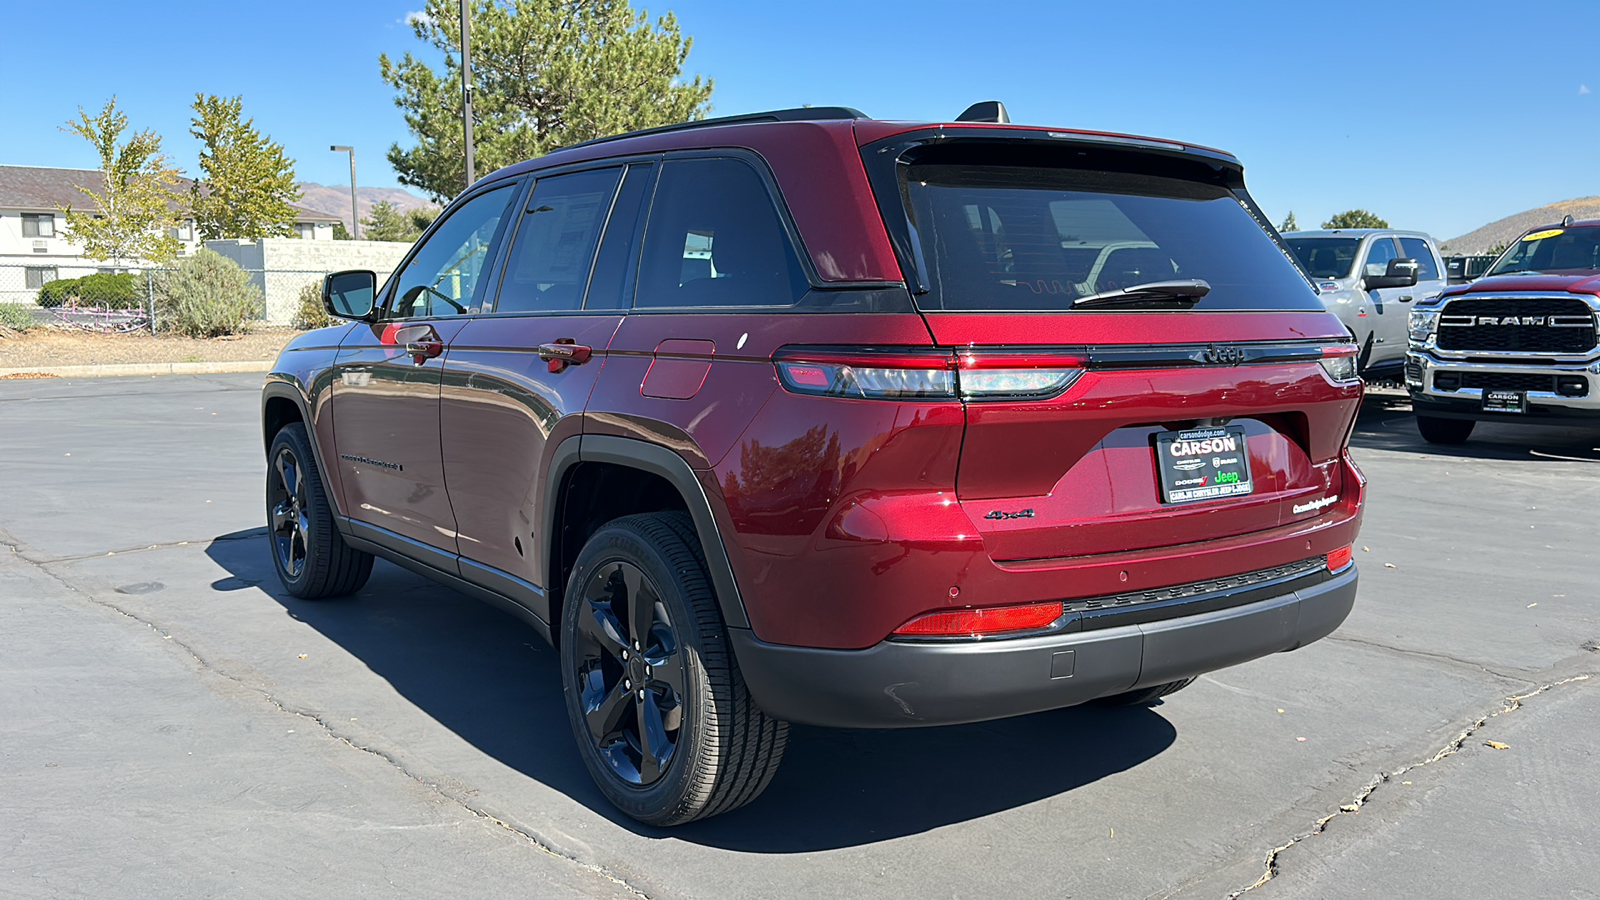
x=43 y=347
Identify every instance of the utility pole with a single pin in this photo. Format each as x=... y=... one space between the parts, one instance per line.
x=355 y=218
x=466 y=84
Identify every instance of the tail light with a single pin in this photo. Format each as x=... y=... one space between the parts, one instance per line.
x=927 y=375
x=1340 y=558
x=1339 y=361
x=981 y=622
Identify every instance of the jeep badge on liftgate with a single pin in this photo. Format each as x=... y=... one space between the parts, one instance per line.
x=1203 y=464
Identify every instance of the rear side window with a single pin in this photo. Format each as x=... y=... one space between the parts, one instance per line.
x=1418 y=249
x=1019 y=238
x=554 y=247
x=715 y=238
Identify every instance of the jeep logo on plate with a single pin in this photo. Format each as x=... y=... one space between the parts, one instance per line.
x=1223 y=356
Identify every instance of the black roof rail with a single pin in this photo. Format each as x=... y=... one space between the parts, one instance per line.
x=800 y=114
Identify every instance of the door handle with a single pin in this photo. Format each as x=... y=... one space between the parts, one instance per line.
x=422 y=351
x=564 y=352
x=1406 y=298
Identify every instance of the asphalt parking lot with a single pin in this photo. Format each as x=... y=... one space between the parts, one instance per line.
x=173 y=724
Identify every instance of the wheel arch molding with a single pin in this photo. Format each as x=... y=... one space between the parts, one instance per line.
x=650 y=460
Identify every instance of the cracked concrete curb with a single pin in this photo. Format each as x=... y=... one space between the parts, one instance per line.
x=124 y=369
x=1508 y=705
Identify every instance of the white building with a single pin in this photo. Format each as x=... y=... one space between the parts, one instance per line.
x=34 y=249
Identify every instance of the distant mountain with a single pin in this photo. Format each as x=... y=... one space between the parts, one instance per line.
x=334 y=200
x=1509 y=228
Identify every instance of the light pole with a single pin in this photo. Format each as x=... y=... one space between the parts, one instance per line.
x=466 y=84
x=355 y=219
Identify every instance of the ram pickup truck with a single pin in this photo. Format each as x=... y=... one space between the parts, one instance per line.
x=1517 y=345
x=1369 y=277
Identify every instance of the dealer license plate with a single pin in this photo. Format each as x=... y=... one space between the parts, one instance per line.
x=1203 y=464
x=1505 y=401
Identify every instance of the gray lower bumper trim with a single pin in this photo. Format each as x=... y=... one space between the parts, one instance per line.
x=897 y=685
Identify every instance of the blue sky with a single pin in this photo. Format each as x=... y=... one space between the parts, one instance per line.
x=1440 y=116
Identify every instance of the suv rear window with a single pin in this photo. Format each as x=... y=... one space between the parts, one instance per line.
x=994 y=238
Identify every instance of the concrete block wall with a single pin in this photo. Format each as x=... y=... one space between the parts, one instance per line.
x=282 y=267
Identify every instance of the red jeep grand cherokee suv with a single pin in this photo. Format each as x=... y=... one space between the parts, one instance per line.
x=805 y=417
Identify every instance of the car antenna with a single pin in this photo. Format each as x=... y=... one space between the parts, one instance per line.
x=1566 y=221
x=987 y=111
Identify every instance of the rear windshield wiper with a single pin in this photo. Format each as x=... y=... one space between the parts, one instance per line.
x=1181 y=294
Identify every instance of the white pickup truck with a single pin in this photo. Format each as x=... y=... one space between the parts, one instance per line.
x=1369 y=278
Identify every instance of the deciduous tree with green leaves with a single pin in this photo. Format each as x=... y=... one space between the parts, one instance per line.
x=388 y=222
x=130 y=216
x=545 y=73
x=1355 y=218
x=247 y=186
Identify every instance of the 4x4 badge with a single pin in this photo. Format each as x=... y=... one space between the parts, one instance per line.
x=1003 y=514
x=1223 y=356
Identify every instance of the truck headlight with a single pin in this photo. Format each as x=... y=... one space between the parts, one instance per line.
x=1421 y=323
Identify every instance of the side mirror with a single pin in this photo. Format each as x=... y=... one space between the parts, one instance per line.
x=1401 y=273
x=351 y=294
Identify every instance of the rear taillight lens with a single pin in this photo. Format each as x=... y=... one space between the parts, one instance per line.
x=879 y=375
x=981 y=622
x=927 y=375
x=1339 y=361
x=1018 y=376
x=1340 y=558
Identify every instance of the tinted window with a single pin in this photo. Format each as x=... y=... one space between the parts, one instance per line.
x=1553 y=250
x=1418 y=249
x=612 y=283
x=1378 y=255
x=715 y=239
x=548 y=266
x=442 y=277
x=1325 y=257
x=1023 y=238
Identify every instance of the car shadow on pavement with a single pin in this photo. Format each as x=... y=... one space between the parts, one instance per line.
x=1386 y=423
x=494 y=682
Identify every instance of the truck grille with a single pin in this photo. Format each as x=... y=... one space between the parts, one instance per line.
x=1541 y=325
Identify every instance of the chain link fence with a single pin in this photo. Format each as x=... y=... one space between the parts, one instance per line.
x=107 y=298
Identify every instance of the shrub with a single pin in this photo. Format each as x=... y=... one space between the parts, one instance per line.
x=207 y=295
x=17 y=317
x=311 y=313
x=101 y=289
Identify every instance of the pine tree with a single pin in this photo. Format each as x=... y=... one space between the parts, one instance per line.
x=545 y=73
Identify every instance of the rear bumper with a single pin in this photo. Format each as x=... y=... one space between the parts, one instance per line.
x=898 y=684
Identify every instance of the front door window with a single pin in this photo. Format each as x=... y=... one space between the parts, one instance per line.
x=443 y=276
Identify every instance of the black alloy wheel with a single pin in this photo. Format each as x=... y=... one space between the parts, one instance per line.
x=308 y=553
x=291 y=529
x=656 y=701
x=630 y=672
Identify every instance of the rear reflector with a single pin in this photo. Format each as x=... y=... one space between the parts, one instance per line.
x=979 y=622
x=1340 y=558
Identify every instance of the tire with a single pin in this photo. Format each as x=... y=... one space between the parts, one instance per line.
x=308 y=553
x=1143 y=696
x=1444 y=431
x=664 y=722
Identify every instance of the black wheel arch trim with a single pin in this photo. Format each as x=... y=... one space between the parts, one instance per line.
x=656 y=460
x=281 y=386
